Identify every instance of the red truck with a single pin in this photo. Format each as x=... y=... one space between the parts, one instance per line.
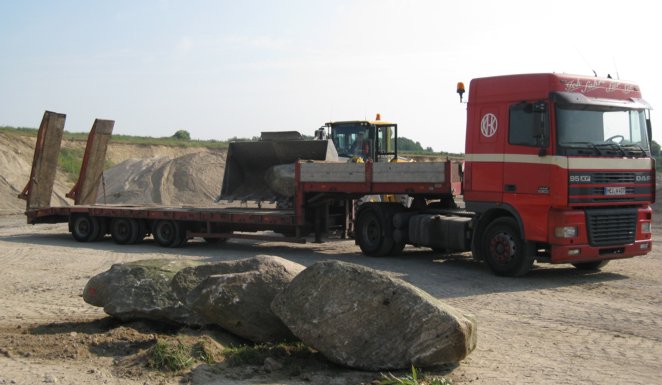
x=557 y=169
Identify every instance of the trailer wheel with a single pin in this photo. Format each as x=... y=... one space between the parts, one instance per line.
x=85 y=228
x=125 y=230
x=168 y=233
x=372 y=231
x=590 y=266
x=504 y=250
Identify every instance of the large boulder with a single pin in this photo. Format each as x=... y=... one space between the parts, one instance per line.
x=237 y=295
x=141 y=289
x=362 y=318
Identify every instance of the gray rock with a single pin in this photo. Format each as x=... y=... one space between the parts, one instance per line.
x=235 y=295
x=140 y=289
x=362 y=318
x=280 y=179
x=240 y=301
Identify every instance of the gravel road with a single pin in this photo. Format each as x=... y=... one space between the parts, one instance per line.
x=555 y=326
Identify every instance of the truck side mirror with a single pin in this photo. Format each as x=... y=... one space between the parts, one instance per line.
x=649 y=129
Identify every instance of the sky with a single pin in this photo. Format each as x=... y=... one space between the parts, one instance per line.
x=223 y=69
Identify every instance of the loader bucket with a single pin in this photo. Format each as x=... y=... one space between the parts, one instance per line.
x=248 y=163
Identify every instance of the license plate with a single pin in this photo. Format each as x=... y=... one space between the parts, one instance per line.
x=614 y=190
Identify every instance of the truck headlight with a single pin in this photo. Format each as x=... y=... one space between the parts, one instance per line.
x=646 y=227
x=565 y=231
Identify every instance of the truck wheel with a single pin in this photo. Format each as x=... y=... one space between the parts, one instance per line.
x=504 y=250
x=590 y=266
x=169 y=233
x=85 y=228
x=125 y=230
x=372 y=232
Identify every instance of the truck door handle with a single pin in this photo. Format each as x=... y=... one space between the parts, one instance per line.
x=510 y=188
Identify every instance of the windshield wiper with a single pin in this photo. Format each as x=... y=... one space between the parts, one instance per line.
x=583 y=145
x=634 y=146
x=612 y=145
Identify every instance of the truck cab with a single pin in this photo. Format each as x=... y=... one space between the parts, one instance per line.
x=558 y=169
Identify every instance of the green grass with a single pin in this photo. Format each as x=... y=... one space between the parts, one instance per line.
x=171 y=356
x=256 y=354
x=70 y=161
x=412 y=379
x=127 y=139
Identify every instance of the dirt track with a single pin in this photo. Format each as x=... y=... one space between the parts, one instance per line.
x=555 y=326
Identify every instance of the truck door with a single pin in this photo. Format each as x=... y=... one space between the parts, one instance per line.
x=484 y=167
x=528 y=163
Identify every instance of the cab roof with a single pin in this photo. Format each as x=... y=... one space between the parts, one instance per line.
x=359 y=122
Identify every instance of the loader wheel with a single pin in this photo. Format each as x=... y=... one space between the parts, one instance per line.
x=504 y=250
x=590 y=266
x=374 y=230
x=85 y=228
x=168 y=233
x=125 y=230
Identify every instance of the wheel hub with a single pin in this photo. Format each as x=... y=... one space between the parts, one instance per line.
x=502 y=247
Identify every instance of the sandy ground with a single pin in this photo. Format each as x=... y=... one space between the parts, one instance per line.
x=555 y=326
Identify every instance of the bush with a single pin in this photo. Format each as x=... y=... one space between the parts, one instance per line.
x=182 y=135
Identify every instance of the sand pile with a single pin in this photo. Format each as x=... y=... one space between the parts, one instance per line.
x=192 y=179
x=162 y=175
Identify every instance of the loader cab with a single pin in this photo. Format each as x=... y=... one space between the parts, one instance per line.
x=368 y=140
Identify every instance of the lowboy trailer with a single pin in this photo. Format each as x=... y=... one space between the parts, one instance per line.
x=557 y=169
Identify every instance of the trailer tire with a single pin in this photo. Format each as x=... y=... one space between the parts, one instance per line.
x=84 y=228
x=504 y=250
x=169 y=233
x=590 y=266
x=125 y=230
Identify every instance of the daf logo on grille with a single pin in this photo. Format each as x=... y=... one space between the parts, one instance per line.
x=643 y=178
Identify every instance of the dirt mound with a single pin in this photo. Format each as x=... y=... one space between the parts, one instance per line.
x=192 y=179
x=144 y=174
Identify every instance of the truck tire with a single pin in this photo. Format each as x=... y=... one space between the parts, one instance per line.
x=374 y=229
x=168 y=233
x=504 y=250
x=590 y=266
x=125 y=230
x=85 y=228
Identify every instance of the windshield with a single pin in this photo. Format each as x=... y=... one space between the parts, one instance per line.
x=584 y=130
x=361 y=139
x=349 y=139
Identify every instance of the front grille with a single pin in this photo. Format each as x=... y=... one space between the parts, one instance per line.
x=613 y=177
x=608 y=227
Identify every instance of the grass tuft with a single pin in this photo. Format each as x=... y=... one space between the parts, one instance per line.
x=412 y=379
x=171 y=356
x=256 y=354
